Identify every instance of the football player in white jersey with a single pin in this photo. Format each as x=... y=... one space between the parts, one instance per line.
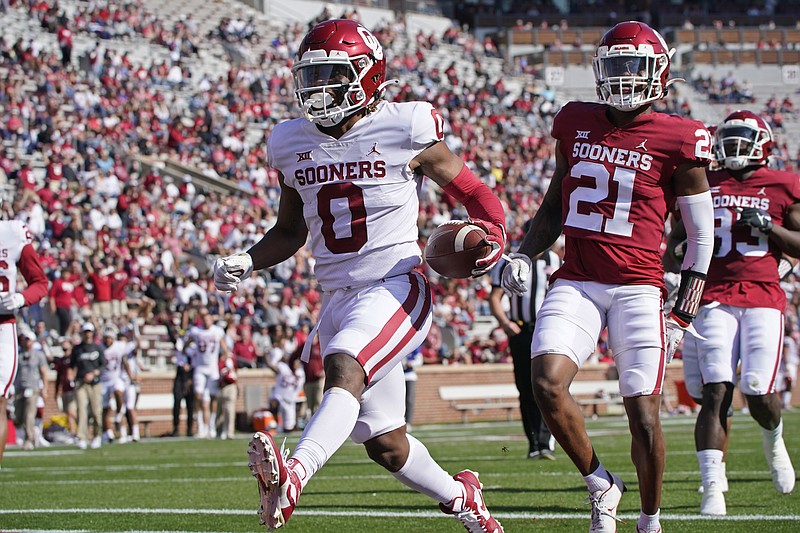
x=17 y=256
x=111 y=379
x=208 y=342
x=349 y=173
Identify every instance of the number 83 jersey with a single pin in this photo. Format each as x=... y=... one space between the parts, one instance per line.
x=617 y=191
x=360 y=199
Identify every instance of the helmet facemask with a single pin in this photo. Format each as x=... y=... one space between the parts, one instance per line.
x=739 y=144
x=628 y=77
x=328 y=87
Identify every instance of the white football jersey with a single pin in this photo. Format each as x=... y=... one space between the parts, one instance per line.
x=207 y=348
x=14 y=236
x=115 y=354
x=360 y=196
x=288 y=383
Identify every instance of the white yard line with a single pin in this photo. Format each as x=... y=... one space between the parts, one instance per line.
x=401 y=514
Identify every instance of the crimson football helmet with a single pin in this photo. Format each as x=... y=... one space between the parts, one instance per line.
x=743 y=139
x=631 y=66
x=341 y=68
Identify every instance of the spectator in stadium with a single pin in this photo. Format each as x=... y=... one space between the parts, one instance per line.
x=119 y=280
x=518 y=324
x=365 y=274
x=100 y=275
x=62 y=298
x=740 y=319
x=244 y=349
x=87 y=361
x=19 y=257
x=612 y=274
x=31 y=371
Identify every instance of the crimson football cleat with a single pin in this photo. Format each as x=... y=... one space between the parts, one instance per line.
x=278 y=485
x=470 y=509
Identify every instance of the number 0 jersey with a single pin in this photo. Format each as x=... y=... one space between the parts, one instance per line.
x=744 y=269
x=618 y=190
x=359 y=195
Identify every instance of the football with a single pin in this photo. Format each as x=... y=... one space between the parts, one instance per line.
x=453 y=248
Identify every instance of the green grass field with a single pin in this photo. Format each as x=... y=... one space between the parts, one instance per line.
x=189 y=485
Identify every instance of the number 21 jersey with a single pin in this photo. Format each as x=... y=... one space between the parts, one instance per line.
x=618 y=189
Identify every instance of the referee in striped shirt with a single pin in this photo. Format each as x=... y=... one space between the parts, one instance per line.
x=518 y=324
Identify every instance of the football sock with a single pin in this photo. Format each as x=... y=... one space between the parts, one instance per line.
x=600 y=479
x=327 y=430
x=201 y=426
x=710 y=462
x=424 y=475
x=772 y=436
x=135 y=432
x=649 y=522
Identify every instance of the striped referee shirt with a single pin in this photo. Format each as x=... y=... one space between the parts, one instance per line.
x=523 y=308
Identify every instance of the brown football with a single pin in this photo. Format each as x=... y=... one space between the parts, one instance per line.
x=453 y=248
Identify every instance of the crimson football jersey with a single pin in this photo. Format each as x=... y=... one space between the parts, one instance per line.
x=618 y=190
x=744 y=270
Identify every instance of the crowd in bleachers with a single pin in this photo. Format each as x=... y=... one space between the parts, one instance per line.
x=77 y=139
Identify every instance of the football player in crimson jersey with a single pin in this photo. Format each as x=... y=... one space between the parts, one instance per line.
x=349 y=173
x=17 y=256
x=619 y=167
x=740 y=320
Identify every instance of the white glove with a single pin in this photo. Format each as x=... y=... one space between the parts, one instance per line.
x=10 y=302
x=230 y=271
x=674 y=335
x=516 y=273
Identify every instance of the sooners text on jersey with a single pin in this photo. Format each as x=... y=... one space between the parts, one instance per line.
x=618 y=190
x=744 y=270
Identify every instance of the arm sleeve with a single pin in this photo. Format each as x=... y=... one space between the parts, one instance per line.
x=697 y=213
x=32 y=271
x=479 y=200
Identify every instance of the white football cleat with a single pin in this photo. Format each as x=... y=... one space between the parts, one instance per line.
x=96 y=442
x=278 y=485
x=713 y=502
x=780 y=466
x=604 y=506
x=656 y=530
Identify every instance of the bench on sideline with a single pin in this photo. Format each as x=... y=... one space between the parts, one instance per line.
x=475 y=398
